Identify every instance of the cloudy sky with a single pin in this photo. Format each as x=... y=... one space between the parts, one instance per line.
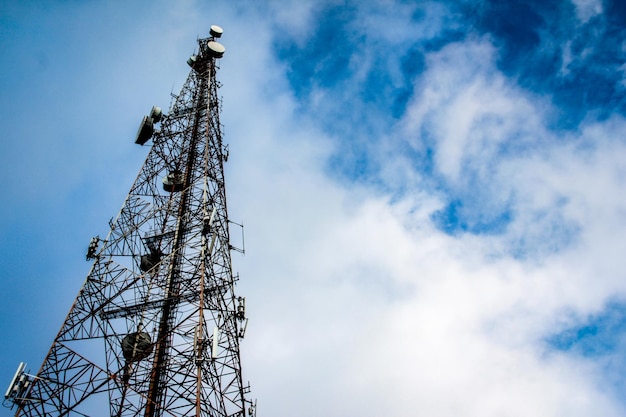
x=432 y=191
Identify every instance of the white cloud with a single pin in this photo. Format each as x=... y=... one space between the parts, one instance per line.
x=360 y=306
x=362 y=315
x=586 y=9
x=470 y=109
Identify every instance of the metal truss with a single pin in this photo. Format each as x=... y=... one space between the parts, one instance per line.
x=155 y=329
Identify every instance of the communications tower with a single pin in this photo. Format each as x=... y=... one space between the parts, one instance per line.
x=156 y=327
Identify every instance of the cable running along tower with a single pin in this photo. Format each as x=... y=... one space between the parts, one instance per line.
x=155 y=329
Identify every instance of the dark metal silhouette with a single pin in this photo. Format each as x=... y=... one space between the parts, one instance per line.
x=155 y=329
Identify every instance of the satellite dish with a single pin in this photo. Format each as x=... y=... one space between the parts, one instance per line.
x=155 y=114
x=216 y=31
x=173 y=182
x=192 y=61
x=216 y=49
x=136 y=346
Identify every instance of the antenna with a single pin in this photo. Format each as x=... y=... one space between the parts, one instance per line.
x=18 y=373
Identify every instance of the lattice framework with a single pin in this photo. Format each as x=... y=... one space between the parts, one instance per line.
x=162 y=283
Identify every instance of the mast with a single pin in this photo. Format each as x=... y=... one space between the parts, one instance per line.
x=155 y=329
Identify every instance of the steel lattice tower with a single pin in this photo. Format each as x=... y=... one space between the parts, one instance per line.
x=155 y=328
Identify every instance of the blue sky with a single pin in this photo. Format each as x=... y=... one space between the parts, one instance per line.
x=431 y=191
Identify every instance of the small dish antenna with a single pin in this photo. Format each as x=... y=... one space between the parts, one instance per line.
x=216 y=31
x=216 y=49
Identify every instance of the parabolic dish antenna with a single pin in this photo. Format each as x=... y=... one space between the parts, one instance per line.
x=216 y=49
x=216 y=31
